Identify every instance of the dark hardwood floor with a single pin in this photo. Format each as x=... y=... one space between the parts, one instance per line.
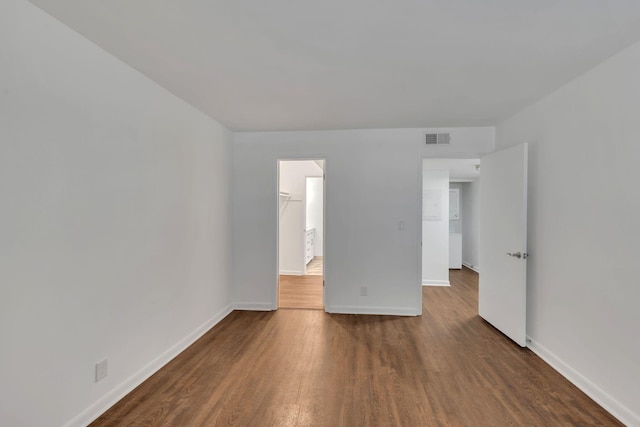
x=305 y=367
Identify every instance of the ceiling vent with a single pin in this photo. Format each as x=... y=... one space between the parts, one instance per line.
x=437 y=138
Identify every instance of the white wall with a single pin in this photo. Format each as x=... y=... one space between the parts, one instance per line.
x=291 y=245
x=315 y=211
x=115 y=239
x=470 y=217
x=293 y=175
x=583 y=289
x=292 y=214
x=373 y=183
x=435 y=233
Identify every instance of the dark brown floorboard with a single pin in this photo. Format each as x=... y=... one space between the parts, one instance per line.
x=305 y=367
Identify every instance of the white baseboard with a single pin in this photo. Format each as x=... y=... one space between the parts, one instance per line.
x=253 y=306
x=112 y=397
x=436 y=283
x=385 y=311
x=471 y=267
x=291 y=272
x=615 y=408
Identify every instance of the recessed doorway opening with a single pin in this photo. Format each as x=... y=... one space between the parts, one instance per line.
x=450 y=215
x=301 y=200
x=499 y=232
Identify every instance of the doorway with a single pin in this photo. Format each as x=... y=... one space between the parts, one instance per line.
x=450 y=212
x=501 y=230
x=301 y=223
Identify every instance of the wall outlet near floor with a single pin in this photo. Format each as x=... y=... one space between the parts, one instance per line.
x=363 y=291
x=101 y=370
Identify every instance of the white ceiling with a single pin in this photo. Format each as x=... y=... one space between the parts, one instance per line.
x=340 y=64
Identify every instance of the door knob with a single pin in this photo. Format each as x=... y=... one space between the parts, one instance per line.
x=517 y=254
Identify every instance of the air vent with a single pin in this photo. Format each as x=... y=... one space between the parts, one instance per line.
x=437 y=138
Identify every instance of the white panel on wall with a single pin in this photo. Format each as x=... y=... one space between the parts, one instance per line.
x=431 y=203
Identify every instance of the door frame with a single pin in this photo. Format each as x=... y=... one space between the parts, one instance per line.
x=325 y=220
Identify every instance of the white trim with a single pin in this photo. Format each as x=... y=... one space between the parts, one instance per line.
x=615 y=408
x=386 y=311
x=471 y=267
x=291 y=272
x=253 y=306
x=111 y=398
x=436 y=283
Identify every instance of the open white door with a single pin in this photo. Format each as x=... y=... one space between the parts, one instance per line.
x=502 y=298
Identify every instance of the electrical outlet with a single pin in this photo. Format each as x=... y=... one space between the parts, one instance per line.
x=101 y=370
x=363 y=291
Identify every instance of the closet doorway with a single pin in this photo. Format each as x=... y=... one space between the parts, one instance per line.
x=301 y=200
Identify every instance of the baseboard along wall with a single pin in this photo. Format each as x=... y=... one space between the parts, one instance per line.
x=615 y=408
x=253 y=306
x=291 y=273
x=384 y=311
x=112 y=397
x=471 y=267
x=436 y=283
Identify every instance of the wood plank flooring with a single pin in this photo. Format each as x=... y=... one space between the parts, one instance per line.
x=308 y=368
x=301 y=292
x=316 y=266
